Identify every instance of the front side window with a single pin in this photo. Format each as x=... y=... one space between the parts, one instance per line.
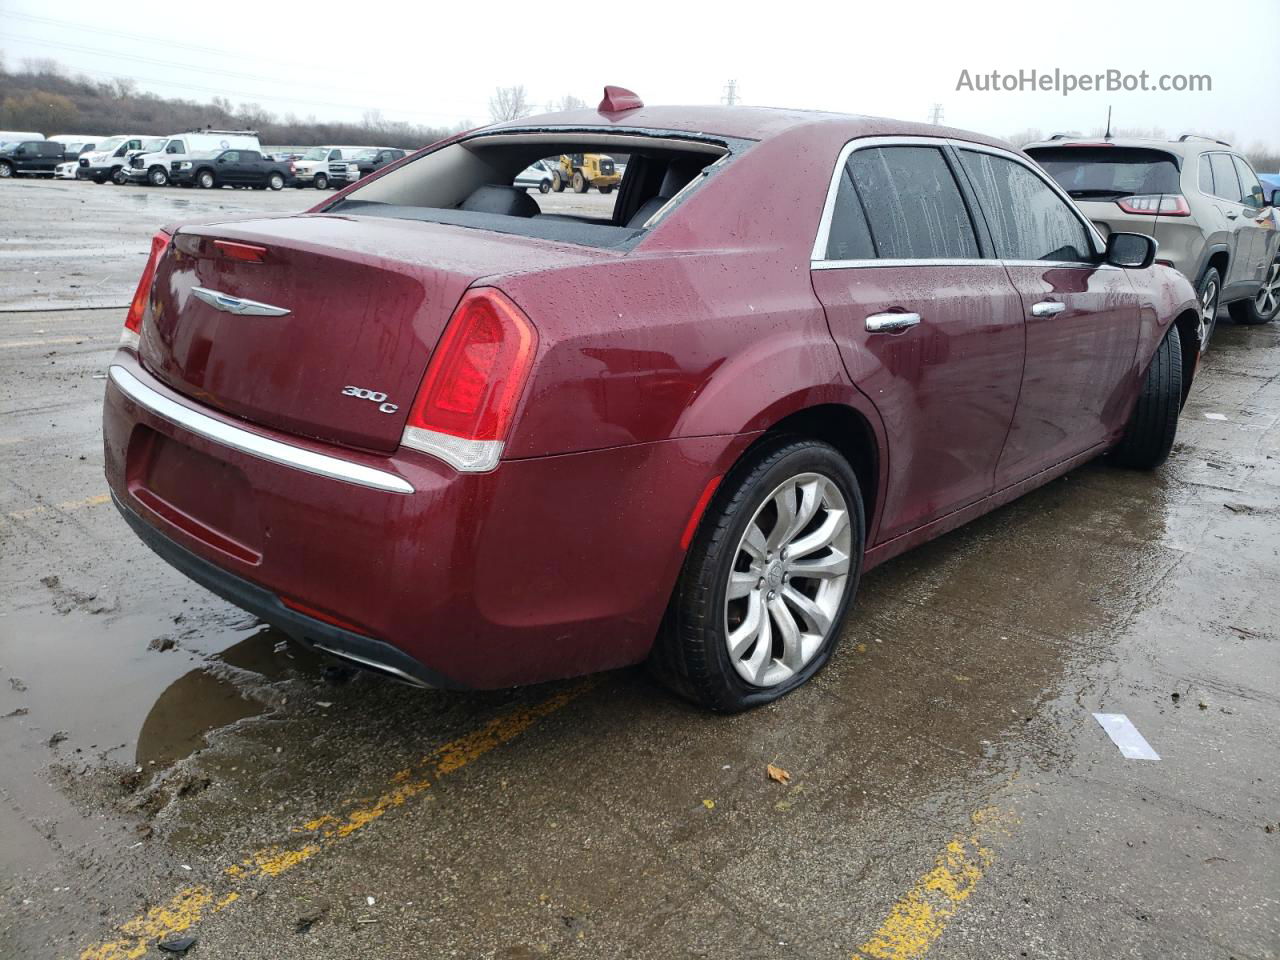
x=1250 y=188
x=176 y=146
x=231 y=156
x=1226 y=185
x=913 y=206
x=1028 y=220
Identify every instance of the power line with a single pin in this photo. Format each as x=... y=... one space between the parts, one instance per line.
x=730 y=93
x=935 y=114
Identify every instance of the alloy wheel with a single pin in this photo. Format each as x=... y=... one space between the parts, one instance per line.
x=1208 y=312
x=1268 y=297
x=787 y=581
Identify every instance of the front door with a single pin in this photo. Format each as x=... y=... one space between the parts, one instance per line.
x=1081 y=318
x=929 y=328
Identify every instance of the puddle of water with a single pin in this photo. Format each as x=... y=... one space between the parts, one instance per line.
x=190 y=707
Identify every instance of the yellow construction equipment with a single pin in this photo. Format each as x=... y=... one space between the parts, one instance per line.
x=582 y=171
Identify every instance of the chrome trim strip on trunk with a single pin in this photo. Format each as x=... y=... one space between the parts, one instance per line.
x=254 y=444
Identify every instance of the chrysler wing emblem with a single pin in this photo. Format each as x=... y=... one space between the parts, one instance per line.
x=236 y=305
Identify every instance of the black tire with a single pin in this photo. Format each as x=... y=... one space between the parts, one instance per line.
x=275 y=181
x=690 y=655
x=6 y=170
x=1148 y=438
x=205 y=180
x=580 y=184
x=1210 y=288
x=557 y=182
x=118 y=177
x=158 y=177
x=544 y=186
x=1264 y=306
x=321 y=181
x=607 y=189
x=99 y=180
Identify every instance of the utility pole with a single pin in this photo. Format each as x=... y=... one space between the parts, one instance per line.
x=935 y=115
x=730 y=93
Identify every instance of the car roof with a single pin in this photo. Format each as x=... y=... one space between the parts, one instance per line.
x=747 y=123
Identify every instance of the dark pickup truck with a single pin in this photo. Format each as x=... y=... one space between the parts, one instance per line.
x=33 y=157
x=343 y=172
x=232 y=168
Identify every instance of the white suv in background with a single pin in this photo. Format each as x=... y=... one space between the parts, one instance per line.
x=312 y=169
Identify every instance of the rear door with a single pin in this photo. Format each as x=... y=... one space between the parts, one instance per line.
x=1228 y=197
x=1081 y=316
x=927 y=322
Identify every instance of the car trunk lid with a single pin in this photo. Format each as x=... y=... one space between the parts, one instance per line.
x=328 y=336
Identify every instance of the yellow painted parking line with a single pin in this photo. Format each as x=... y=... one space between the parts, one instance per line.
x=921 y=915
x=191 y=904
x=67 y=507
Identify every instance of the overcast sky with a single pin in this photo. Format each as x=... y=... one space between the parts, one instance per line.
x=437 y=63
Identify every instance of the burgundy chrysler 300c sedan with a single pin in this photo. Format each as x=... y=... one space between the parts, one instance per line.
x=433 y=430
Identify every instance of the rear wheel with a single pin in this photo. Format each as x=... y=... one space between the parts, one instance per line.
x=1264 y=306
x=275 y=182
x=544 y=186
x=321 y=181
x=1148 y=438
x=557 y=182
x=204 y=180
x=1209 y=294
x=766 y=584
x=607 y=189
x=580 y=184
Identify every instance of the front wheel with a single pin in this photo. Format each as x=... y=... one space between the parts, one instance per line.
x=321 y=182
x=157 y=177
x=544 y=186
x=118 y=177
x=1263 y=306
x=775 y=563
x=6 y=171
x=1148 y=438
x=607 y=189
x=557 y=182
x=580 y=184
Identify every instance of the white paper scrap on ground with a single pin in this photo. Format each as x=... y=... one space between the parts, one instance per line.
x=1125 y=735
x=1215 y=416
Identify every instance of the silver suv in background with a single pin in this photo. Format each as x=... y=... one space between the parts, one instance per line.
x=1197 y=197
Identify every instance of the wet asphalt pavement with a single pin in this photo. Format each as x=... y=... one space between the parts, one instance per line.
x=169 y=767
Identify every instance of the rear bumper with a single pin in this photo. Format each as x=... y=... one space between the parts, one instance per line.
x=544 y=568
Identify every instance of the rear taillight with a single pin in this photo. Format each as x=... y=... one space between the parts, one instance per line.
x=473 y=384
x=133 y=320
x=1156 y=204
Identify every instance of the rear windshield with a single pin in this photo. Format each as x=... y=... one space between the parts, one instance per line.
x=589 y=199
x=1105 y=173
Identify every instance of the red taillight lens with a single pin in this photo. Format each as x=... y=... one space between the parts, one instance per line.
x=1156 y=204
x=472 y=386
x=133 y=320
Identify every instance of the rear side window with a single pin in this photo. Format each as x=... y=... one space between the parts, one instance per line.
x=1108 y=173
x=850 y=238
x=912 y=204
x=1028 y=220
x=1206 y=176
x=1225 y=183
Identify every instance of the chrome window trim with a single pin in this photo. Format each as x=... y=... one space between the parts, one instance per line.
x=254 y=444
x=818 y=258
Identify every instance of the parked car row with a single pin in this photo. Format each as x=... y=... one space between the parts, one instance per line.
x=202 y=158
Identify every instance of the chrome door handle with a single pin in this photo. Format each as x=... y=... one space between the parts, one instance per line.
x=882 y=322
x=1047 y=308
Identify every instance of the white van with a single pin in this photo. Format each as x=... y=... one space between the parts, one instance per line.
x=18 y=136
x=74 y=144
x=153 y=165
x=313 y=166
x=106 y=162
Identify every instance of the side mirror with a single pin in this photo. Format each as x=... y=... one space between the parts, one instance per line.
x=1134 y=251
x=222 y=159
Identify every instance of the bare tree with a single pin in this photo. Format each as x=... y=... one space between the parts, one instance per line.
x=509 y=103
x=124 y=87
x=570 y=102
